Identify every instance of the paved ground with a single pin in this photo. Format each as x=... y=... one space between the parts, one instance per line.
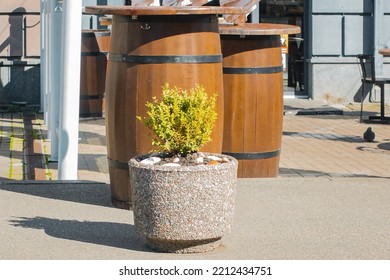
x=283 y=218
x=332 y=144
x=317 y=141
x=331 y=200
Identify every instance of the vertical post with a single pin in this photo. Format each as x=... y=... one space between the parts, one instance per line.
x=256 y=14
x=307 y=45
x=54 y=68
x=43 y=64
x=378 y=35
x=70 y=88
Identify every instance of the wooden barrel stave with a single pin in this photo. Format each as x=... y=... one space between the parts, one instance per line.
x=253 y=89
x=94 y=48
x=136 y=75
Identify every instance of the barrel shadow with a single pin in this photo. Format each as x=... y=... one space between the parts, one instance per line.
x=325 y=136
x=109 y=234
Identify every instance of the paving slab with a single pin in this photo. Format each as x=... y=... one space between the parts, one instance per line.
x=275 y=219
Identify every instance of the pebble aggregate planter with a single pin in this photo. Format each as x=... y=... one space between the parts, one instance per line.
x=185 y=209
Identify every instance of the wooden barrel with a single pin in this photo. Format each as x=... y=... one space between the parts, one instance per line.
x=147 y=52
x=253 y=89
x=94 y=49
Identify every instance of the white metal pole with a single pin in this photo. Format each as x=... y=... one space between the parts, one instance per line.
x=48 y=65
x=378 y=35
x=70 y=88
x=55 y=47
x=43 y=58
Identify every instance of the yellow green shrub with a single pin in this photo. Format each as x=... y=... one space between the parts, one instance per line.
x=182 y=121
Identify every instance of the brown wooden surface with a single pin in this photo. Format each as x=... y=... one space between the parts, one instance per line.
x=161 y=10
x=385 y=52
x=253 y=103
x=94 y=49
x=131 y=85
x=258 y=29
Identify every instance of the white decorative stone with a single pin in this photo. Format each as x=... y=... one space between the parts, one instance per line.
x=225 y=159
x=214 y=158
x=176 y=159
x=150 y=161
x=199 y=160
x=172 y=164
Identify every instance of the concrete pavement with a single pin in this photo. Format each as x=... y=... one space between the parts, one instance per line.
x=280 y=218
x=330 y=201
x=319 y=139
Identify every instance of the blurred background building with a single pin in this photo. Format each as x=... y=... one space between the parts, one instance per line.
x=320 y=63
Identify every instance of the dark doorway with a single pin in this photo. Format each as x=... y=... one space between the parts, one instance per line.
x=289 y=12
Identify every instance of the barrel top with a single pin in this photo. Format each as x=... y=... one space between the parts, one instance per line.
x=258 y=29
x=162 y=10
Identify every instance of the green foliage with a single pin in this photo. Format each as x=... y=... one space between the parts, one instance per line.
x=13 y=109
x=182 y=121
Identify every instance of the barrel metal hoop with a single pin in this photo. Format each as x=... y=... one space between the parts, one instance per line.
x=177 y=18
x=93 y=34
x=117 y=164
x=160 y=59
x=93 y=53
x=263 y=155
x=92 y=115
x=253 y=70
x=92 y=96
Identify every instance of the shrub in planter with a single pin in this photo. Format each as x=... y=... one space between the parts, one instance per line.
x=183 y=199
x=183 y=121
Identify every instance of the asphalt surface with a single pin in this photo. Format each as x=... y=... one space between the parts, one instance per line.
x=313 y=218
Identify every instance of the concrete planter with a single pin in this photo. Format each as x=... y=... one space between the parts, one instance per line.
x=183 y=209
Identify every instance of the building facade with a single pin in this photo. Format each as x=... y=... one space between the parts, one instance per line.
x=334 y=32
x=321 y=61
x=19 y=51
x=20 y=47
x=338 y=30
